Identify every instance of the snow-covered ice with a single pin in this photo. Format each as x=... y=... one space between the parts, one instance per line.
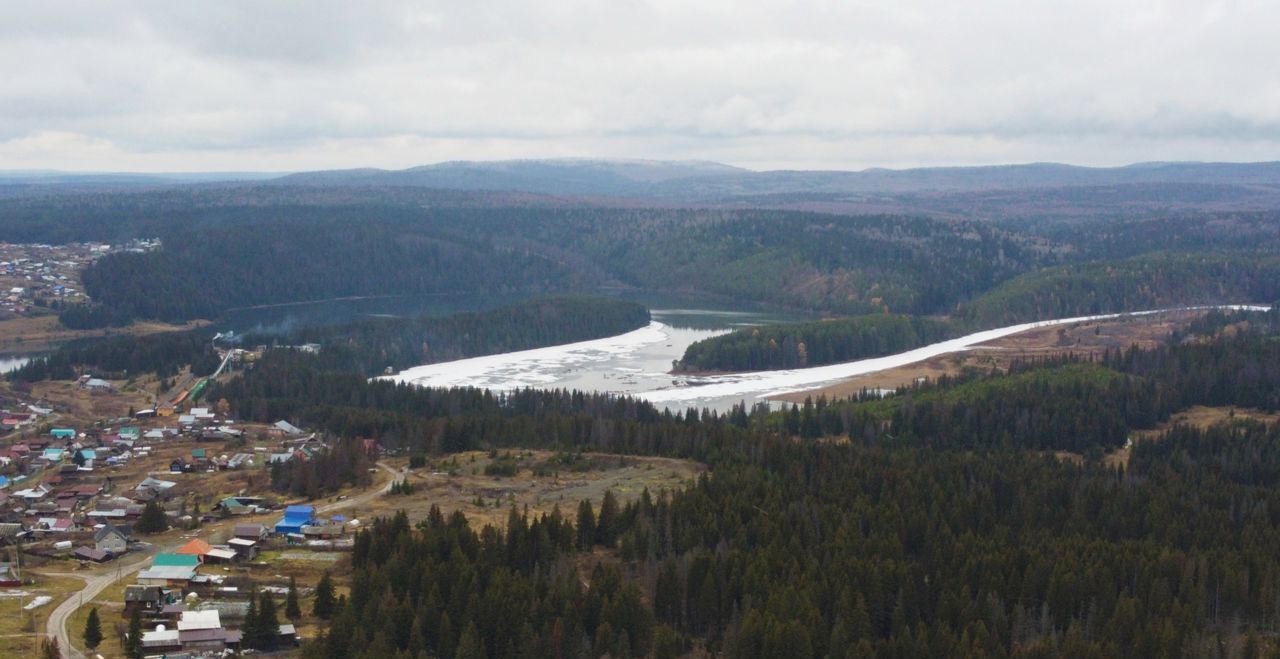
x=635 y=363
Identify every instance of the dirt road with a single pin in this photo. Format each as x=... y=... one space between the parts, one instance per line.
x=366 y=497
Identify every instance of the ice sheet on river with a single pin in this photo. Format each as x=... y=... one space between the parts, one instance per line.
x=554 y=366
x=540 y=367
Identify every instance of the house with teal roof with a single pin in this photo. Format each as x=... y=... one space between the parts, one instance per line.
x=63 y=433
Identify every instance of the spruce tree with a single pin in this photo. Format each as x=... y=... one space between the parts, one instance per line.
x=133 y=643
x=292 y=610
x=92 y=630
x=268 y=623
x=324 y=604
x=607 y=523
x=153 y=519
x=249 y=628
x=470 y=645
x=586 y=526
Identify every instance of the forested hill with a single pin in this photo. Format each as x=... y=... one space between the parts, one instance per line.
x=1151 y=281
x=806 y=261
x=227 y=246
x=940 y=525
x=373 y=346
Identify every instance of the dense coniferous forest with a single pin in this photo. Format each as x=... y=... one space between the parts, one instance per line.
x=797 y=345
x=120 y=357
x=1152 y=281
x=369 y=347
x=364 y=347
x=944 y=526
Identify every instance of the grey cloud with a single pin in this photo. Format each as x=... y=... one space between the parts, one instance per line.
x=296 y=85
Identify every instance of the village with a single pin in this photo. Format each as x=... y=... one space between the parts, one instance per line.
x=34 y=276
x=114 y=501
x=168 y=516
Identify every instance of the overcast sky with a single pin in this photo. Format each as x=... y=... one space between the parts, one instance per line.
x=206 y=86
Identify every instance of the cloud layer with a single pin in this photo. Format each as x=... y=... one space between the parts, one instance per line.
x=151 y=85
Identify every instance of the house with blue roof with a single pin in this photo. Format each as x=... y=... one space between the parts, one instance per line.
x=63 y=433
x=295 y=517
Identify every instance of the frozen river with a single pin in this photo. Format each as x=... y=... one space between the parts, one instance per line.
x=638 y=363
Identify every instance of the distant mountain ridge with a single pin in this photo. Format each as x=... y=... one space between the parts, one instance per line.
x=692 y=181
x=709 y=181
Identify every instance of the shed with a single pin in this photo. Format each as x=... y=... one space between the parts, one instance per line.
x=92 y=554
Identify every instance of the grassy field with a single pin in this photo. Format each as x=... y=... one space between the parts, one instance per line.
x=16 y=624
x=539 y=480
x=28 y=334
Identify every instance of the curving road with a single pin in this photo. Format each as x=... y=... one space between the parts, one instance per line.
x=56 y=625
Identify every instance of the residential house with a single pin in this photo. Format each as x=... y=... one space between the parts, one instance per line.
x=112 y=538
x=170 y=570
x=11 y=533
x=147 y=598
x=255 y=532
x=196 y=547
x=287 y=428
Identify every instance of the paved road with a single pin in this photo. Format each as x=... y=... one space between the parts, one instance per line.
x=56 y=625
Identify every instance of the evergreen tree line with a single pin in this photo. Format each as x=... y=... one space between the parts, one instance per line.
x=120 y=357
x=796 y=345
x=343 y=464
x=441 y=589
x=371 y=346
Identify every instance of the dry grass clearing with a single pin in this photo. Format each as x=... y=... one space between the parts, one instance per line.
x=1198 y=416
x=21 y=630
x=26 y=334
x=539 y=480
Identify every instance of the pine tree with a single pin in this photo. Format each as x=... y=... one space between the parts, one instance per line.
x=292 y=610
x=324 y=605
x=92 y=630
